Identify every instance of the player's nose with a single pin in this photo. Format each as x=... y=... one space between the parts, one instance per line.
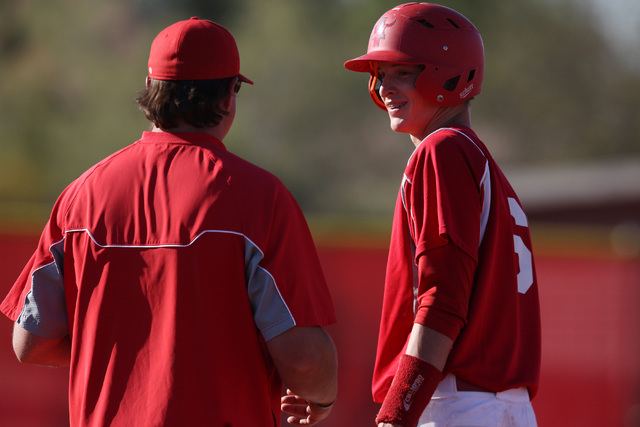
x=386 y=88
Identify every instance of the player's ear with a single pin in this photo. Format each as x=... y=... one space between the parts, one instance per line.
x=232 y=90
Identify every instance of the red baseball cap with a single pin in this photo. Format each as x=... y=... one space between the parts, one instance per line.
x=195 y=49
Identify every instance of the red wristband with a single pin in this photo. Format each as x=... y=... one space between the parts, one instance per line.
x=410 y=392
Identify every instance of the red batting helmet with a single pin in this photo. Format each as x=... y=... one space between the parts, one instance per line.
x=441 y=39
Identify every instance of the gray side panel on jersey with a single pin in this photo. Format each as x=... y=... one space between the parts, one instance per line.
x=270 y=312
x=44 y=312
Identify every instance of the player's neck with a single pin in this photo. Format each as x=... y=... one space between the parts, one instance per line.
x=457 y=116
x=186 y=128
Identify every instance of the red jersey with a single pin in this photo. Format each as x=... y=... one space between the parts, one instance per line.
x=170 y=264
x=454 y=193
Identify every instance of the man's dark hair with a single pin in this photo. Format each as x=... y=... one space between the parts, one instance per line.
x=197 y=102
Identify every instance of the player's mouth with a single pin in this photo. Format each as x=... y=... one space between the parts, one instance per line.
x=393 y=107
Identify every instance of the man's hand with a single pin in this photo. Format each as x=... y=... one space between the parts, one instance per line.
x=303 y=412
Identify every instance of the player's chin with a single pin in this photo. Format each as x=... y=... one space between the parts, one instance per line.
x=395 y=123
x=399 y=125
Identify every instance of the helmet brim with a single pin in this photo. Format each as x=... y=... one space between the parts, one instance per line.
x=362 y=64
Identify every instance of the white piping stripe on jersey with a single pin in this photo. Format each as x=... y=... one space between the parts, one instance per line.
x=167 y=245
x=84 y=230
x=54 y=262
x=486 y=201
x=466 y=136
x=53 y=245
x=405 y=179
x=403 y=193
x=453 y=130
x=485 y=184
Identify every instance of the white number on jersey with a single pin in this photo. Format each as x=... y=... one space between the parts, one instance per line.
x=525 y=276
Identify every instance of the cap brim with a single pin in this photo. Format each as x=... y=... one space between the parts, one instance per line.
x=244 y=79
x=362 y=63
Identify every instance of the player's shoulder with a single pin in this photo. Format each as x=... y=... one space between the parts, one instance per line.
x=99 y=165
x=443 y=142
x=454 y=141
x=240 y=169
x=448 y=136
x=453 y=148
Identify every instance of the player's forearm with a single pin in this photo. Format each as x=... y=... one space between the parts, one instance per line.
x=429 y=345
x=418 y=375
x=314 y=378
x=306 y=360
x=316 y=382
x=33 y=349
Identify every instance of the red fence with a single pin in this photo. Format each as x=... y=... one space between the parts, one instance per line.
x=591 y=337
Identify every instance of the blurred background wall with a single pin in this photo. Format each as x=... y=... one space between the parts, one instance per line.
x=560 y=111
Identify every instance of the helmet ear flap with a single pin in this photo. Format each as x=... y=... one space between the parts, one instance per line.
x=425 y=85
x=452 y=90
x=374 y=91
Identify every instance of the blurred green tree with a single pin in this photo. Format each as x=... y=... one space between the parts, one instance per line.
x=554 y=90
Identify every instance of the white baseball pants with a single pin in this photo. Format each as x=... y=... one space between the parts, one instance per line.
x=452 y=408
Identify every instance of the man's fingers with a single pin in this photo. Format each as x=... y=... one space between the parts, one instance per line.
x=293 y=400
x=299 y=414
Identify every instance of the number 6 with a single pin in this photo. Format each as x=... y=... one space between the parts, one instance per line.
x=525 y=276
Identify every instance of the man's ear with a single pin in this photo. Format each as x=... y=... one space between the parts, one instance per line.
x=228 y=99
x=147 y=81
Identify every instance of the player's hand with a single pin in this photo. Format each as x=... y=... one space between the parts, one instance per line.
x=303 y=412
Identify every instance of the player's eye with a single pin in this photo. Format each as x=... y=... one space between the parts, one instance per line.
x=378 y=84
x=237 y=86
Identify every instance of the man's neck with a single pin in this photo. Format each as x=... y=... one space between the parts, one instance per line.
x=184 y=128
x=445 y=117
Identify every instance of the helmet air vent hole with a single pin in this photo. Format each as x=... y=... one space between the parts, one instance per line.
x=451 y=84
x=452 y=23
x=426 y=23
x=471 y=74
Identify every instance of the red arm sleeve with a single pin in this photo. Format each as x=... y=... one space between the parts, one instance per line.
x=445 y=283
x=445 y=204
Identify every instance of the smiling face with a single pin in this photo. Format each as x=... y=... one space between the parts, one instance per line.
x=409 y=111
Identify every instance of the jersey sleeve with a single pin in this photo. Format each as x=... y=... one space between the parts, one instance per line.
x=293 y=254
x=287 y=286
x=444 y=204
x=37 y=299
x=443 y=197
